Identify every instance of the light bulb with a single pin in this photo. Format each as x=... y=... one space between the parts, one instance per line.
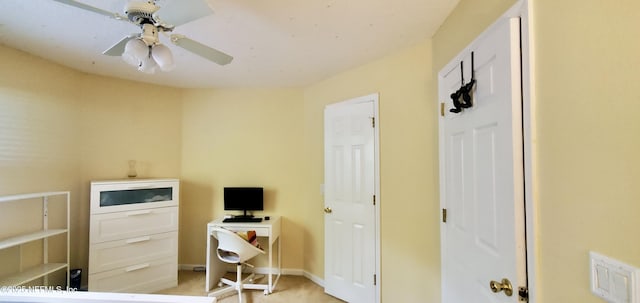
x=162 y=55
x=135 y=51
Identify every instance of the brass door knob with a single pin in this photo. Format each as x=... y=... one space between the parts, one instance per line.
x=328 y=210
x=504 y=286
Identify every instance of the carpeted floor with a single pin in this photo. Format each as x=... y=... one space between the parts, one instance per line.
x=290 y=289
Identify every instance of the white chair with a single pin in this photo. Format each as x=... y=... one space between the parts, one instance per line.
x=235 y=250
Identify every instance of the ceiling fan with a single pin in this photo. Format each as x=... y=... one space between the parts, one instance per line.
x=144 y=50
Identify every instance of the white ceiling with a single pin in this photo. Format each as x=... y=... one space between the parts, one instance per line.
x=275 y=43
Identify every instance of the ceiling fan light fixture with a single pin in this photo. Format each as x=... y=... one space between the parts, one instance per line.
x=163 y=57
x=135 y=51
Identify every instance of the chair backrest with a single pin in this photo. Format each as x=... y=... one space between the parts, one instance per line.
x=232 y=248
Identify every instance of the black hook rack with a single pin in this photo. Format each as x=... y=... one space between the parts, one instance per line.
x=463 y=97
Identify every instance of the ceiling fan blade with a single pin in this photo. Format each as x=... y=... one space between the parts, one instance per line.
x=177 y=12
x=201 y=49
x=118 y=48
x=91 y=8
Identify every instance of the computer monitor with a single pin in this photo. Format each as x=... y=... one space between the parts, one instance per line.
x=244 y=199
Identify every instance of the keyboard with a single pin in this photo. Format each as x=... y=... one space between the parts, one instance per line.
x=242 y=220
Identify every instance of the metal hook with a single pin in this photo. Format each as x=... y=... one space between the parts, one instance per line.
x=456 y=96
x=467 y=89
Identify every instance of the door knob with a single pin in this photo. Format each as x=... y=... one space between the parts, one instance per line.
x=328 y=210
x=504 y=286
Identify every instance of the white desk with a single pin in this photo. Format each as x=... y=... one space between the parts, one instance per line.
x=216 y=268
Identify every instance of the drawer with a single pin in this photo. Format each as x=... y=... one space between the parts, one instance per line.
x=121 y=253
x=145 y=277
x=126 y=195
x=130 y=224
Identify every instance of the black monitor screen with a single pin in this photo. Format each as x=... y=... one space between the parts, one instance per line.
x=243 y=198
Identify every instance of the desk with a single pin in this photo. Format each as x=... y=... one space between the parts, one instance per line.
x=216 y=268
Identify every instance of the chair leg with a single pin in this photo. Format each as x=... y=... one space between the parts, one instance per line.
x=239 y=282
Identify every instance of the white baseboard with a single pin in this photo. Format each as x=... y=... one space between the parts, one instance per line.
x=264 y=271
x=314 y=278
x=285 y=271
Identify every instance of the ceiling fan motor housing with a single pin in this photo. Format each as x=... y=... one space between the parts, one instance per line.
x=141 y=12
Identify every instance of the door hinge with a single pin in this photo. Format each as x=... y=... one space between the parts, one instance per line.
x=442 y=109
x=444 y=215
x=374 y=199
x=523 y=294
x=374 y=279
x=373 y=122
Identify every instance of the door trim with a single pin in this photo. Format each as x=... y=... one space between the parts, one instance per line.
x=376 y=162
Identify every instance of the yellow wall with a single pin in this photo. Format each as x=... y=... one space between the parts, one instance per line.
x=242 y=137
x=38 y=124
x=124 y=120
x=410 y=253
x=588 y=109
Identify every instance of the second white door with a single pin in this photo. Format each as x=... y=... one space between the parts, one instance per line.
x=350 y=245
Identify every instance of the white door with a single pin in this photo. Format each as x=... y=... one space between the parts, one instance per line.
x=349 y=200
x=481 y=174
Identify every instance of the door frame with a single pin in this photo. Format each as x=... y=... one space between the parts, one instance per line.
x=374 y=97
x=523 y=9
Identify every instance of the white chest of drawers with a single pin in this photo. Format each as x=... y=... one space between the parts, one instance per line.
x=133 y=237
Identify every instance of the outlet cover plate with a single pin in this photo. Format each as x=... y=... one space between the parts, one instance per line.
x=614 y=281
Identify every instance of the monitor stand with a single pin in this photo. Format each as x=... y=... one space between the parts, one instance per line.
x=244 y=216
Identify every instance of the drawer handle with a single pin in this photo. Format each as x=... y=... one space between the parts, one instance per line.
x=136 y=267
x=136 y=240
x=137 y=213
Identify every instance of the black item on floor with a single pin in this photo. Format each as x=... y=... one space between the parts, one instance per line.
x=75 y=278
